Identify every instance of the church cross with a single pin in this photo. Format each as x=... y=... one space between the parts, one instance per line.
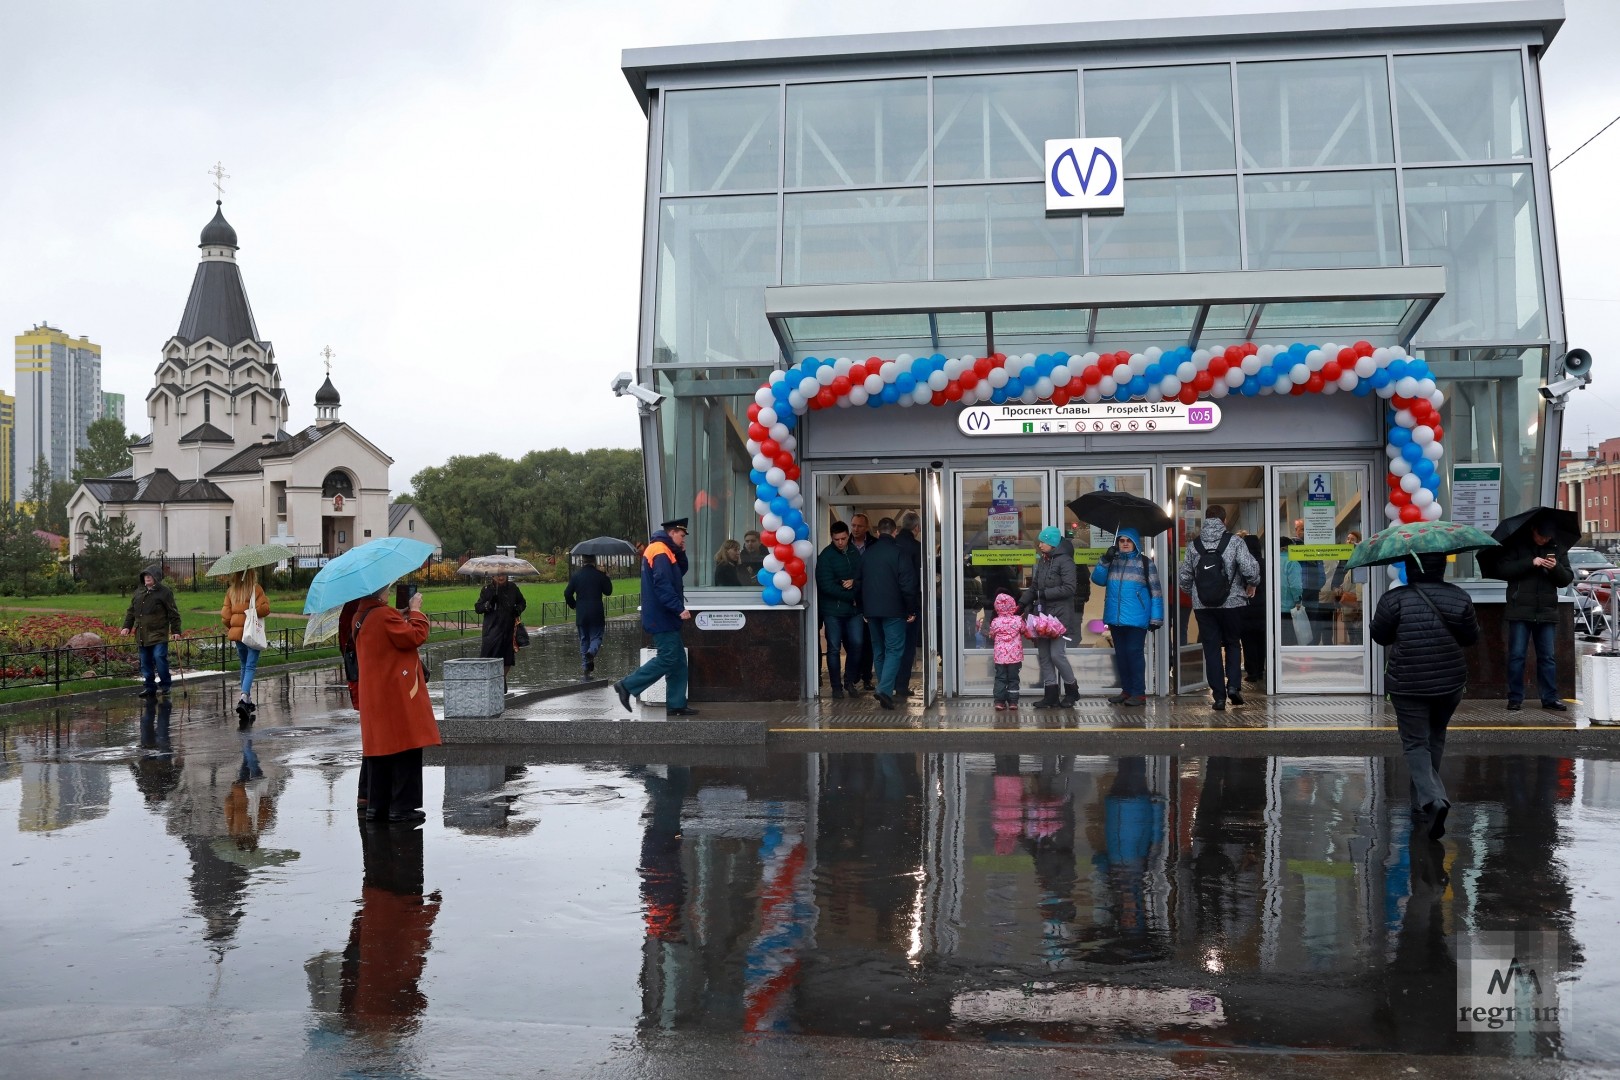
x=328 y=354
x=220 y=176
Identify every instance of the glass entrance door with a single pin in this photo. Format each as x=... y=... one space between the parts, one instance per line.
x=1091 y=652
x=998 y=518
x=1321 y=606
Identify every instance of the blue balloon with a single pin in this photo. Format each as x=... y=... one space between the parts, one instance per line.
x=1380 y=378
x=765 y=492
x=1138 y=386
x=1249 y=388
x=1363 y=388
x=906 y=383
x=790 y=420
x=876 y=400
x=765 y=577
x=1061 y=357
x=779 y=506
x=1400 y=571
x=920 y=368
x=1432 y=483
x=1044 y=365
x=1015 y=387
x=997 y=397
x=1283 y=361
x=1396 y=369
x=771 y=595
x=801 y=532
x=756 y=477
x=1424 y=469
x=793 y=518
x=1412 y=452
x=781 y=390
x=891 y=393
x=938 y=362
x=810 y=365
x=1153 y=373
x=1267 y=376
x=1399 y=436
x=1124 y=393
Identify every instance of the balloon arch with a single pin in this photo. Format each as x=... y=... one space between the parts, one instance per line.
x=1182 y=374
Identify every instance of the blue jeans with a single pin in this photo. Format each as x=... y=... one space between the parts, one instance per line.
x=590 y=640
x=155 y=664
x=1545 y=635
x=1130 y=659
x=669 y=665
x=888 y=646
x=250 y=664
x=847 y=632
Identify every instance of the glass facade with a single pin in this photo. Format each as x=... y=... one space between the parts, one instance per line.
x=1295 y=155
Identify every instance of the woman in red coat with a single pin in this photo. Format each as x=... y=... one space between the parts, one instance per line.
x=396 y=717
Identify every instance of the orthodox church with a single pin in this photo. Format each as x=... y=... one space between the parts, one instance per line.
x=219 y=469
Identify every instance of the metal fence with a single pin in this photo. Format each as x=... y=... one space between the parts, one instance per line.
x=119 y=658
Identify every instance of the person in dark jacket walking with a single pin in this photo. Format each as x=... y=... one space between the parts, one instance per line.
x=906 y=535
x=838 y=584
x=1056 y=589
x=1425 y=627
x=1253 y=627
x=586 y=587
x=1220 y=624
x=889 y=597
x=1535 y=567
x=500 y=602
x=663 y=611
x=155 y=620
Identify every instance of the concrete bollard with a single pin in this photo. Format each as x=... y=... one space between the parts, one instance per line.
x=1600 y=693
x=473 y=687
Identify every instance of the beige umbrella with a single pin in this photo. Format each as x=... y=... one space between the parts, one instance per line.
x=490 y=565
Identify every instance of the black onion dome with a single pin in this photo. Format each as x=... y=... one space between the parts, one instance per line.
x=218 y=233
x=327 y=394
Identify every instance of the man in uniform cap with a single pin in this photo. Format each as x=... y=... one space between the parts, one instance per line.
x=663 y=609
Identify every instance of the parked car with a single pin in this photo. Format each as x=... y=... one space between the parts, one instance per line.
x=1591 y=618
x=1584 y=560
x=1598 y=585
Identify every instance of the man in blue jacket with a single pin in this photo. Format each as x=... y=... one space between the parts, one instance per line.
x=663 y=609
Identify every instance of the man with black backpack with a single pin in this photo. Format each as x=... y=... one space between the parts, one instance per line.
x=1220 y=575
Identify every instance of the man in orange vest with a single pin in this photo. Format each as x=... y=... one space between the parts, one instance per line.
x=663 y=609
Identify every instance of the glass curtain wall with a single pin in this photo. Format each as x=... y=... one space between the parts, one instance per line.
x=1335 y=161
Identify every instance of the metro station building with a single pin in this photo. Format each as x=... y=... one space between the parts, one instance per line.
x=1370 y=175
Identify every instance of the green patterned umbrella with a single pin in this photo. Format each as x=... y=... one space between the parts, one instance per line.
x=246 y=558
x=1395 y=543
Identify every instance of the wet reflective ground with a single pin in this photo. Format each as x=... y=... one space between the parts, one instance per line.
x=181 y=898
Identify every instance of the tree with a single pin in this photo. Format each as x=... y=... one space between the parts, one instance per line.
x=45 y=501
x=23 y=556
x=111 y=558
x=108 y=452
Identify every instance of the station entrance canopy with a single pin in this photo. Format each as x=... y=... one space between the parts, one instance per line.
x=1103 y=313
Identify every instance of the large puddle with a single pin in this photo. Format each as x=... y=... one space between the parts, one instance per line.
x=169 y=862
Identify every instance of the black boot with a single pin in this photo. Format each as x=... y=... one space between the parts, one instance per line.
x=1071 y=694
x=1050 y=701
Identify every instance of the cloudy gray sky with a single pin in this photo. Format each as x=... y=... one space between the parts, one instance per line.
x=449 y=195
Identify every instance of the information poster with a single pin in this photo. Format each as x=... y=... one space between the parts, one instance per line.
x=1320 y=513
x=1476 y=495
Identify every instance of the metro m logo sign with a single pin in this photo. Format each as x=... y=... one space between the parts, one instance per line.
x=1084 y=174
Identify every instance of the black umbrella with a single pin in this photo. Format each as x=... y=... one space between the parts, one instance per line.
x=603 y=545
x=1565 y=526
x=1112 y=511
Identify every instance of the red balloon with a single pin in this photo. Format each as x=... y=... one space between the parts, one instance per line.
x=753 y=412
x=1218 y=366
x=982 y=366
x=1188 y=395
x=1401 y=402
x=969 y=380
x=998 y=360
x=1250 y=348
x=1363 y=348
x=793 y=472
x=1400 y=497
x=1107 y=364
x=1203 y=381
x=1410 y=514
x=1296 y=390
x=953 y=392
x=840 y=385
x=1392 y=480
x=758 y=432
x=799 y=578
x=1315 y=383
x=1060 y=395
x=1092 y=375
x=1331 y=372
x=874 y=366
x=783 y=552
x=938 y=398
x=826 y=398
x=1233 y=355
x=1347 y=357
x=793 y=564
x=769 y=447
x=783 y=460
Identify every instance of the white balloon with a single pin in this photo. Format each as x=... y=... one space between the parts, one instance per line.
x=763 y=397
x=762 y=463
x=1432 y=512
x=1092 y=395
x=1187 y=371
x=1411 y=482
x=1061 y=375
x=1434 y=451
x=1386 y=391
x=1366 y=365
x=1394 y=452
x=1348 y=381
x=1153 y=353
x=1380 y=357
x=1220 y=388
x=1405 y=419
x=1422 y=497
x=826 y=374
x=1396 y=352
x=938 y=380
x=797 y=501
x=761 y=508
x=889 y=372
x=1438 y=398
x=1153 y=394
x=803 y=548
x=842 y=365
x=791 y=595
x=796 y=402
x=1423 y=435
x=770 y=521
x=1329 y=350
x=1043 y=387
x=1234 y=377
x=772 y=563
x=777 y=376
x=782 y=579
x=873 y=384
x=789 y=444
x=767 y=417
x=779 y=431
x=1299 y=374
x=1330 y=388
x=997 y=378
x=1169 y=386
x=1139 y=363
x=1399 y=465
x=774 y=476
x=1107 y=386
x=1029 y=396
x=1395 y=568
x=1200 y=358
x=1392 y=513
x=1251 y=365
x=857 y=395
x=808 y=386
x=753 y=447
x=1406 y=386
x=1315 y=359
x=788 y=488
x=904 y=360
x=785 y=535
x=953 y=368
x=922 y=395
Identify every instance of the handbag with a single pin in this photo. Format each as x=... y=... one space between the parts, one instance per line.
x=253 y=632
x=1302 y=624
x=520 y=636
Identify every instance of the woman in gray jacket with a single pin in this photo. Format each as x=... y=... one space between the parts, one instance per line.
x=1057 y=590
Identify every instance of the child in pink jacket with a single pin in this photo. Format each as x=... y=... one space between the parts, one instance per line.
x=1007 y=640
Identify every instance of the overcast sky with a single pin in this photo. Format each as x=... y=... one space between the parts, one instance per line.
x=449 y=194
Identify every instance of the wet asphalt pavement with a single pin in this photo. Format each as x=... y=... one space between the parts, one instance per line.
x=182 y=898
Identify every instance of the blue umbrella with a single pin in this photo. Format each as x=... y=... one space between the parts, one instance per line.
x=363 y=570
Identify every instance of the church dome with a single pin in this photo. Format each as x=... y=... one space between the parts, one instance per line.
x=327 y=394
x=218 y=233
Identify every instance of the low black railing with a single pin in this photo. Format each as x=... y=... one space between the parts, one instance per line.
x=545 y=613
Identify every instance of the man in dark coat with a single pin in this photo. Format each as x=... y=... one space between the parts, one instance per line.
x=663 y=611
x=1425 y=627
x=907 y=537
x=1535 y=567
x=889 y=597
x=838 y=583
x=155 y=620
x=500 y=603
x=586 y=587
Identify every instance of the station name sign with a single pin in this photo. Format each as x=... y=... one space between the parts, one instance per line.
x=1080 y=418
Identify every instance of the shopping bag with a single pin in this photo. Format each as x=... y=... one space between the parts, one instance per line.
x=1302 y=625
x=253 y=632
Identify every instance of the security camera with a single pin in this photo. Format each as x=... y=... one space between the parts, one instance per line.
x=621 y=383
x=1555 y=392
x=649 y=400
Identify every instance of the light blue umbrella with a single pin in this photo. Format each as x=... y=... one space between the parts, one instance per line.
x=363 y=570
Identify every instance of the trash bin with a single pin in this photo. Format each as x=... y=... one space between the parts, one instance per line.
x=474 y=687
x=1600 y=687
